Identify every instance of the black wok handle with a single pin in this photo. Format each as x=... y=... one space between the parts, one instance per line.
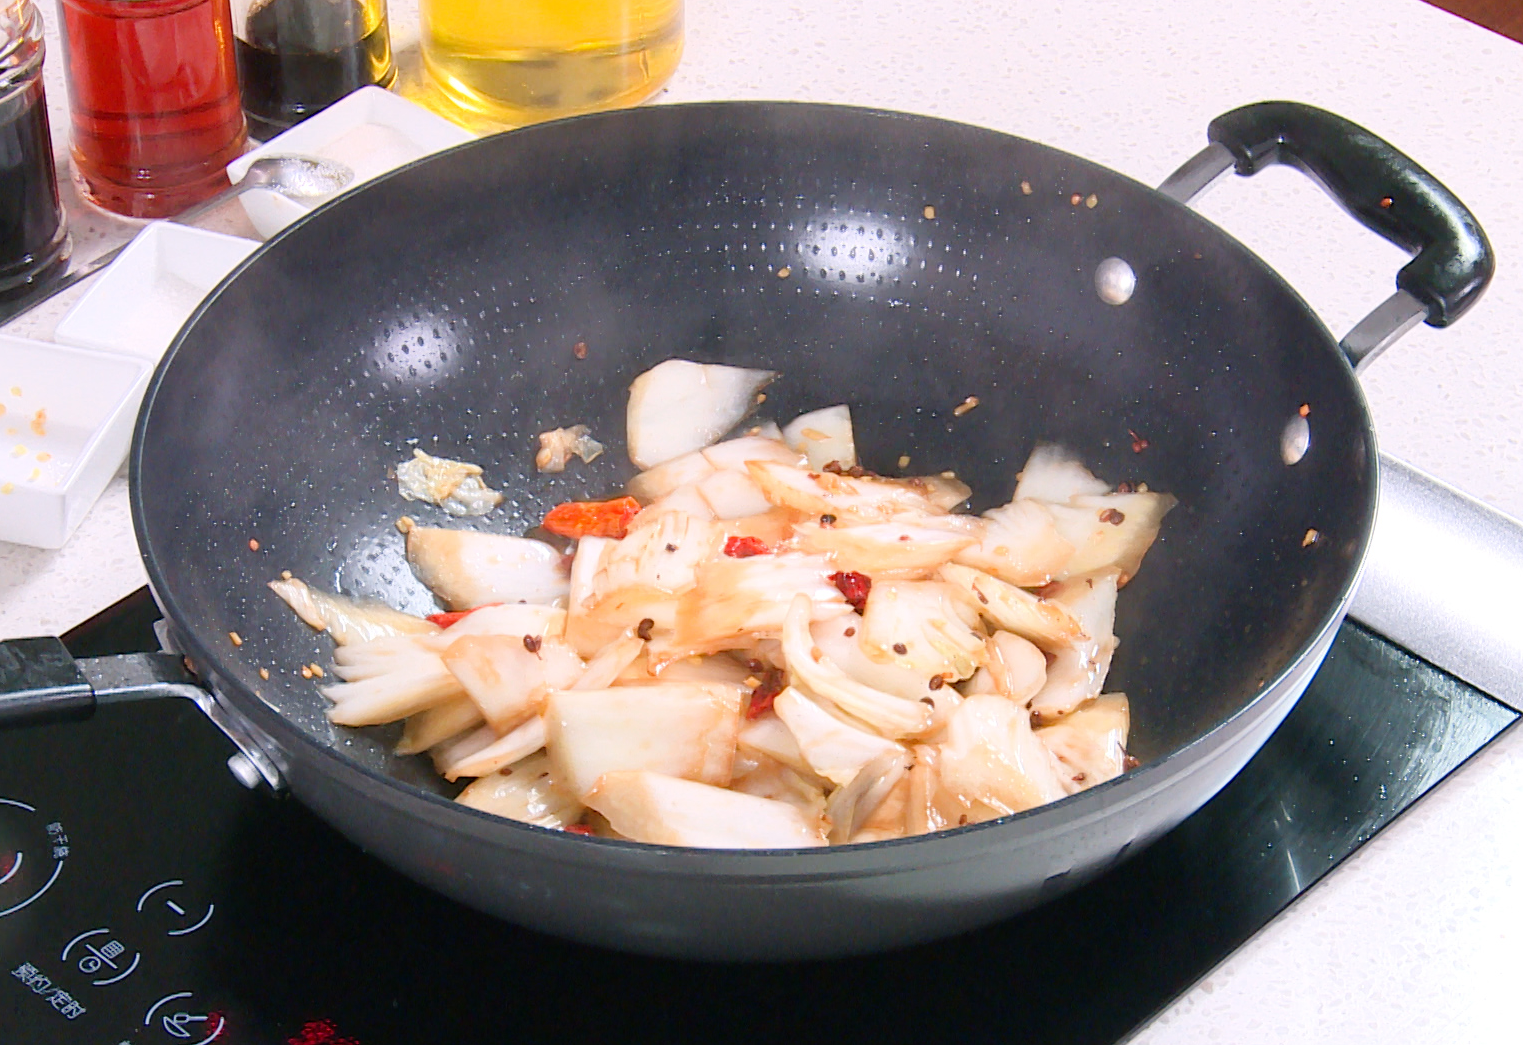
x=1382 y=187
x=40 y=681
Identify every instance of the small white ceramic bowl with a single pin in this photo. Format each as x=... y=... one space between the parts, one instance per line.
x=67 y=422
x=372 y=131
x=140 y=302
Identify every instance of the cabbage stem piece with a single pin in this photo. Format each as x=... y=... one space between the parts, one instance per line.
x=685 y=729
x=467 y=569
x=388 y=697
x=1019 y=543
x=889 y=715
x=525 y=791
x=849 y=807
x=1078 y=672
x=1044 y=622
x=437 y=724
x=507 y=678
x=348 y=620
x=665 y=810
x=678 y=406
x=833 y=749
x=1091 y=742
x=517 y=744
x=992 y=763
x=823 y=437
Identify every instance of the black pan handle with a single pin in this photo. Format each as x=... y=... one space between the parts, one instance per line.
x=1380 y=186
x=40 y=681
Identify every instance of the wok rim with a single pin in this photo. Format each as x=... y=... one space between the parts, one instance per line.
x=1121 y=791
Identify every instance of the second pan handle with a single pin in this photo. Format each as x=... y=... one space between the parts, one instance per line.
x=1382 y=187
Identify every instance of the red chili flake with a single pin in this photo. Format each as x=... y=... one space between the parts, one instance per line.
x=1125 y=488
x=532 y=643
x=855 y=586
x=577 y=829
x=444 y=620
x=766 y=691
x=1112 y=516
x=579 y=350
x=745 y=547
x=856 y=471
x=1386 y=202
x=645 y=628
x=1139 y=444
x=1128 y=762
x=1304 y=410
x=592 y=518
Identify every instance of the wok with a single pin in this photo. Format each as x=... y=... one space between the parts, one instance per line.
x=892 y=262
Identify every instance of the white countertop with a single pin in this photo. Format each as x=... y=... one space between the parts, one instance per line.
x=1417 y=938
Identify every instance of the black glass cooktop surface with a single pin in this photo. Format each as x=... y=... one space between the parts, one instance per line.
x=147 y=897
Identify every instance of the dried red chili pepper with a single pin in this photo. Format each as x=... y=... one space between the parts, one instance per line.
x=766 y=691
x=444 y=620
x=744 y=547
x=580 y=519
x=855 y=586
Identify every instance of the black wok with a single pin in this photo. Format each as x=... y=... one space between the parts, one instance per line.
x=925 y=262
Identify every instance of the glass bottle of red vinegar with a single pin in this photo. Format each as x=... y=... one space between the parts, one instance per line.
x=154 y=107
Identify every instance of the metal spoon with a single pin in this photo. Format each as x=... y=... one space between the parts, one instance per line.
x=295 y=177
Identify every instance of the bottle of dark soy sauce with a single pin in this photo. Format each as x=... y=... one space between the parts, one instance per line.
x=34 y=244
x=297 y=57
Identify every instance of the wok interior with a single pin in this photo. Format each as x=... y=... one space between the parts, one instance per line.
x=440 y=307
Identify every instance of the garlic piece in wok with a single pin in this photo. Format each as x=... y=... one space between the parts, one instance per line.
x=558 y=445
x=455 y=486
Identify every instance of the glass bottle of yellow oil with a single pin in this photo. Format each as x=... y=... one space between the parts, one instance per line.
x=504 y=63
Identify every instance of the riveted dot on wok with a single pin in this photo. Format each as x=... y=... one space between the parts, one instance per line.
x=1295 y=440
x=1115 y=281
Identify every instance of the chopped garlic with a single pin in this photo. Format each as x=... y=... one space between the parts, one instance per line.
x=557 y=446
x=455 y=486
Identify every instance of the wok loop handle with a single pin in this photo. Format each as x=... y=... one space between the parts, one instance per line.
x=1385 y=190
x=41 y=682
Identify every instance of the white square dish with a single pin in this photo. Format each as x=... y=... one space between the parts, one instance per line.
x=65 y=429
x=372 y=131
x=143 y=298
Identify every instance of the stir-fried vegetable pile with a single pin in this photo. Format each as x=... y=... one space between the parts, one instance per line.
x=762 y=645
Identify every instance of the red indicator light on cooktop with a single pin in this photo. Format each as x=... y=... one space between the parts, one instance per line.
x=321 y=1032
